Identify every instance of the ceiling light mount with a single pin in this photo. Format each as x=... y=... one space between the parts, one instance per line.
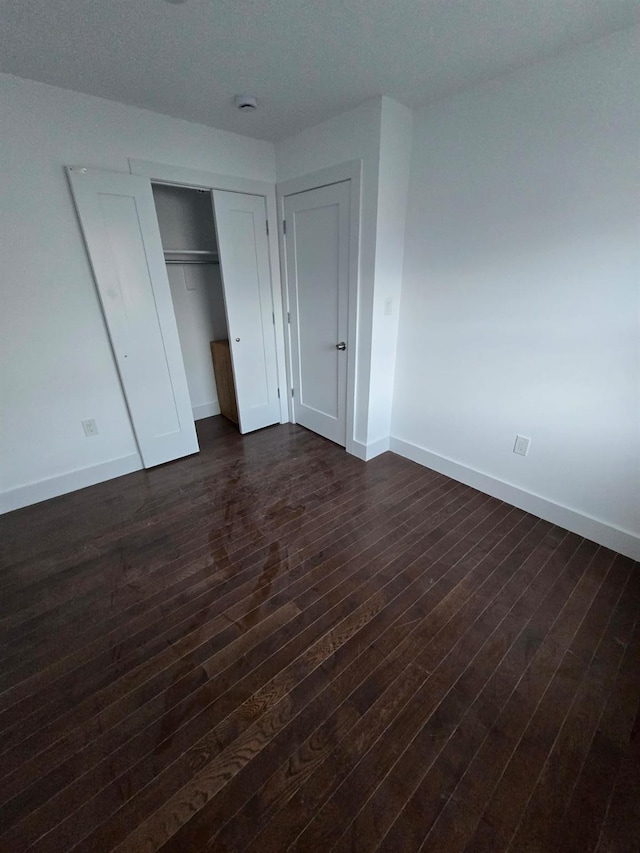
x=246 y=103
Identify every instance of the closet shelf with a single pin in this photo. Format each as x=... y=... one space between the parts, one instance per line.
x=190 y=256
x=190 y=252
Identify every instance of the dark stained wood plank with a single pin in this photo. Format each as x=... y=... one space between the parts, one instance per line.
x=370 y=650
x=233 y=563
x=428 y=718
x=230 y=522
x=586 y=811
x=209 y=689
x=173 y=512
x=621 y=828
x=541 y=822
x=389 y=688
x=443 y=728
x=513 y=647
x=359 y=605
x=463 y=811
x=224 y=536
x=272 y=644
x=520 y=774
x=302 y=573
x=149 y=507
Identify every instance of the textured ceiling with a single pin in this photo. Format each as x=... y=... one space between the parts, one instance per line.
x=305 y=60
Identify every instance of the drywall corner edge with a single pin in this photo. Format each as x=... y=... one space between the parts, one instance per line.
x=53 y=487
x=604 y=534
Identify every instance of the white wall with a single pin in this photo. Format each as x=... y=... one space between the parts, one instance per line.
x=199 y=307
x=185 y=218
x=379 y=134
x=57 y=366
x=520 y=308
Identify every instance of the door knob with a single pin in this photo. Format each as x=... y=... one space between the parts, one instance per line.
x=341 y=345
x=237 y=340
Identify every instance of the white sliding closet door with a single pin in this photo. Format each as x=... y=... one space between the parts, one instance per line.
x=246 y=280
x=120 y=228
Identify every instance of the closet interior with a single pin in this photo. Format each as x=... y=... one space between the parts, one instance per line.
x=188 y=234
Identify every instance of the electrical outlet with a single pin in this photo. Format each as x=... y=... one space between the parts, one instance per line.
x=521 y=447
x=90 y=428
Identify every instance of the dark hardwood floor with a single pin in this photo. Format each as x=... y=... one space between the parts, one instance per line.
x=275 y=646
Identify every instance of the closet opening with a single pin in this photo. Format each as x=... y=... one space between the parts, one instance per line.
x=188 y=233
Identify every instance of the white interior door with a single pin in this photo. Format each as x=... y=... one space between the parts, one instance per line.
x=317 y=266
x=246 y=281
x=120 y=228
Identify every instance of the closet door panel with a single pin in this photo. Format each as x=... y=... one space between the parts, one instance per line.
x=246 y=279
x=119 y=224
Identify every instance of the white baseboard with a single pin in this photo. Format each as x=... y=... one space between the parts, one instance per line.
x=371 y=450
x=623 y=541
x=358 y=449
x=33 y=493
x=206 y=410
x=375 y=448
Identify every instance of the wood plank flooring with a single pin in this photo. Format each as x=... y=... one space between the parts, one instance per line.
x=274 y=646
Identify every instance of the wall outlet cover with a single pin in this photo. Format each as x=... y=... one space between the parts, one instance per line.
x=521 y=447
x=90 y=428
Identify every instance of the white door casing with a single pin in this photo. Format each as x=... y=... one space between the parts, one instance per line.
x=246 y=281
x=120 y=228
x=317 y=255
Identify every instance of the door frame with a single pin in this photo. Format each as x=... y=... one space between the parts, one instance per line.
x=181 y=176
x=349 y=171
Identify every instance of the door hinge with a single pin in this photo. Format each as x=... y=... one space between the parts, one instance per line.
x=288 y=316
x=273 y=317
x=292 y=392
x=267 y=224
x=278 y=393
x=284 y=226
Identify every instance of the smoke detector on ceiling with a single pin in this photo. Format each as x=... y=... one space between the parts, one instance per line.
x=246 y=103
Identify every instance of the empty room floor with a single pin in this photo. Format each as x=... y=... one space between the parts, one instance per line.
x=274 y=646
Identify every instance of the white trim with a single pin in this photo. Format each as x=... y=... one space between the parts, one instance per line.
x=360 y=450
x=206 y=410
x=278 y=306
x=349 y=171
x=623 y=541
x=62 y=484
x=165 y=173
x=375 y=448
x=366 y=452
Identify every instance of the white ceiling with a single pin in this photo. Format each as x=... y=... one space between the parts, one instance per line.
x=306 y=60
